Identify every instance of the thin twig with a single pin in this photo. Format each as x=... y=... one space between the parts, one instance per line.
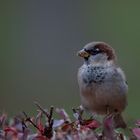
x=41 y=108
x=50 y=115
x=79 y=112
x=29 y=120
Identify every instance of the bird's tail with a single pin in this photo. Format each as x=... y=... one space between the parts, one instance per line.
x=119 y=121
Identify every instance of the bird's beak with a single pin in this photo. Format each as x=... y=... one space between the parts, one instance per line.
x=83 y=53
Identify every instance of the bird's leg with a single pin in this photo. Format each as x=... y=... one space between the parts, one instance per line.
x=108 y=128
x=108 y=125
x=118 y=120
x=108 y=113
x=107 y=110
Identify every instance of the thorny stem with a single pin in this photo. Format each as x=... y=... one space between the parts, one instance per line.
x=29 y=120
x=23 y=125
x=50 y=115
x=79 y=111
x=40 y=108
x=48 y=130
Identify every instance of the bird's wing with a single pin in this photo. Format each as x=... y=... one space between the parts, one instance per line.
x=120 y=76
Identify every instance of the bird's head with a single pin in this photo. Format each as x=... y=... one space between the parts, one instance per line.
x=97 y=52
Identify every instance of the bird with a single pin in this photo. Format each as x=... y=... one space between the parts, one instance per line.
x=102 y=82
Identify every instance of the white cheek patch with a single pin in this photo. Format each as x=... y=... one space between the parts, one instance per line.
x=98 y=58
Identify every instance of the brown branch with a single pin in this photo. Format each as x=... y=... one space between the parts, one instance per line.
x=29 y=120
x=48 y=130
x=40 y=108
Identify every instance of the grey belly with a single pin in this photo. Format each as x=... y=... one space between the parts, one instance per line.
x=99 y=98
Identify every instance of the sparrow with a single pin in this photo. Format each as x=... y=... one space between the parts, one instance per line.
x=102 y=83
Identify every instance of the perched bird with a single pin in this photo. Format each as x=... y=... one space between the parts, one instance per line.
x=102 y=83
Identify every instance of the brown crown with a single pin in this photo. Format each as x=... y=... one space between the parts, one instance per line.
x=104 y=47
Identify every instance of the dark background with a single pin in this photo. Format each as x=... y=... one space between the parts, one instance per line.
x=38 y=45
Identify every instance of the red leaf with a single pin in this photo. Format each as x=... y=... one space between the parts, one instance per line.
x=11 y=133
x=11 y=129
x=108 y=127
x=92 y=124
x=136 y=132
x=39 y=137
x=39 y=122
x=138 y=122
x=68 y=126
x=3 y=118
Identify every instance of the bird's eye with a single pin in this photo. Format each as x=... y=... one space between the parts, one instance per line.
x=97 y=49
x=93 y=51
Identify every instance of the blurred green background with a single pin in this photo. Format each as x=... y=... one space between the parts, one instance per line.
x=38 y=45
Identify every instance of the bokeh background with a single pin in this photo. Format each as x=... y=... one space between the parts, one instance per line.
x=38 y=45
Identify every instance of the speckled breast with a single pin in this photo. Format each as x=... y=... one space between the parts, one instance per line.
x=94 y=74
